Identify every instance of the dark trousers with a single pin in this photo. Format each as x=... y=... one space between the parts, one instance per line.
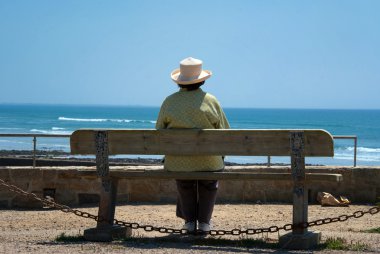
x=187 y=206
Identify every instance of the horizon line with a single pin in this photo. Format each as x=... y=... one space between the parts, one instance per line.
x=155 y=106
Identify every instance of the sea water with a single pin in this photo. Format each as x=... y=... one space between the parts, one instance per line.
x=64 y=119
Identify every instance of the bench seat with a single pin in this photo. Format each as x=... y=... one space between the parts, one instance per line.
x=157 y=172
x=297 y=144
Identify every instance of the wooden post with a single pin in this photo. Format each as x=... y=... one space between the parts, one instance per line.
x=105 y=230
x=300 y=198
x=299 y=238
x=101 y=143
x=107 y=202
x=109 y=188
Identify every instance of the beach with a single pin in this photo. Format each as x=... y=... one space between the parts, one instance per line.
x=36 y=231
x=39 y=230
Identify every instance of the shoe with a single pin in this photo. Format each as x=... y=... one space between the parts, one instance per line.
x=189 y=226
x=205 y=227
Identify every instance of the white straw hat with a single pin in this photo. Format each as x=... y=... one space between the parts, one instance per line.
x=190 y=72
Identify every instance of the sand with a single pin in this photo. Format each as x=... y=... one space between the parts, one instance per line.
x=35 y=231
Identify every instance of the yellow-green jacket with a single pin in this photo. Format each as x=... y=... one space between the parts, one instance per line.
x=192 y=110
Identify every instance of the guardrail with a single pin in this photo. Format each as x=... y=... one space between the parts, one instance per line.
x=35 y=136
x=355 y=138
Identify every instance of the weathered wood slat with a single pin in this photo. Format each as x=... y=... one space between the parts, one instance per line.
x=220 y=175
x=294 y=143
x=202 y=142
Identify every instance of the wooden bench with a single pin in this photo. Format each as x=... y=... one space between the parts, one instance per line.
x=294 y=143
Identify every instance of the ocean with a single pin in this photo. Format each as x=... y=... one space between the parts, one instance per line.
x=64 y=119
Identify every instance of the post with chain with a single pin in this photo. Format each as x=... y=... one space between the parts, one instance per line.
x=300 y=237
x=105 y=230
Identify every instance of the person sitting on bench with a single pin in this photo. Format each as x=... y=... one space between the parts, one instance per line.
x=191 y=107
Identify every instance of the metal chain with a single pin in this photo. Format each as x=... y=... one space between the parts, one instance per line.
x=149 y=228
x=48 y=202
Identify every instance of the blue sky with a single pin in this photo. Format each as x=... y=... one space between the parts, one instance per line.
x=264 y=54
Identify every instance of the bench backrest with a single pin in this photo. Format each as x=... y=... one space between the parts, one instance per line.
x=202 y=142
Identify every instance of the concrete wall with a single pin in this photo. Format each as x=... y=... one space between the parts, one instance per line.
x=360 y=185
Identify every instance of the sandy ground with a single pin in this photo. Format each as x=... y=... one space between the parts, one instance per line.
x=35 y=231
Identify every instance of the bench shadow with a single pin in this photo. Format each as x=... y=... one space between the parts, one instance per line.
x=187 y=242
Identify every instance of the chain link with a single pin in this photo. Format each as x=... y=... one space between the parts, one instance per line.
x=150 y=228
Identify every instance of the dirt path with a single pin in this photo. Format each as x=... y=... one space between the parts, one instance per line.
x=24 y=231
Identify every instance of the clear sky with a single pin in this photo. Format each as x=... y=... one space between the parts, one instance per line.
x=264 y=54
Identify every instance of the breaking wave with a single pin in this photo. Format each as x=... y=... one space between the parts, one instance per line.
x=52 y=131
x=61 y=118
x=363 y=153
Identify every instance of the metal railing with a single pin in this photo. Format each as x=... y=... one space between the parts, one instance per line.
x=355 y=138
x=34 y=136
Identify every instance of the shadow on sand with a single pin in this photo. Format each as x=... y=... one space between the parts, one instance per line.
x=188 y=243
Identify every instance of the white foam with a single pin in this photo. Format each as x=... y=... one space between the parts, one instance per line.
x=365 y=154
x=12 y=141
x=57 y=128
x=51 y=132
x=54 y=145
x=364 y=149
x=131 y=121
x=358 y=158
x=368 y=158
x=81 y=119
x=121 y=120
x=105 y=120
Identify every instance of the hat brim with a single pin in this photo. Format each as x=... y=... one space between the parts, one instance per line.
x=176 y=77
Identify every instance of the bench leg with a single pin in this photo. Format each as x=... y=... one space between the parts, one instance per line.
x=299 y=238
x=105 y=230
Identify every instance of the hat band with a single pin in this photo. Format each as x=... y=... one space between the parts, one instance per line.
x=187 y=78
